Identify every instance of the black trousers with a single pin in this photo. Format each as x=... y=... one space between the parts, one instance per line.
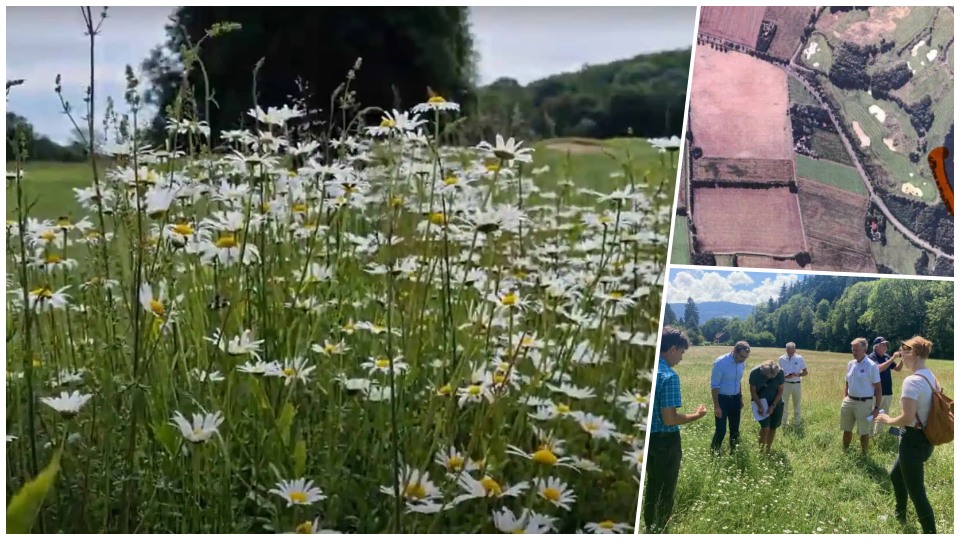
x=907 y=478
x=663 y=469
x=730 y=408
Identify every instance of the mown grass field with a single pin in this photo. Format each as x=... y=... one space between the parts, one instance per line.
x=899 y=254
x=808 y=484
x=680 y=251
x=48 y=186
x=840 y=176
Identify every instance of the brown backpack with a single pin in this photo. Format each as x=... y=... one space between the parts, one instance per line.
x=939 y=428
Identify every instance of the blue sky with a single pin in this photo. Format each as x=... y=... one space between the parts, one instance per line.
x=525 y=43
x=735 y=286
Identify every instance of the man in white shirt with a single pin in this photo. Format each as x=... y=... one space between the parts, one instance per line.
x=861 y=396
x=793 y=368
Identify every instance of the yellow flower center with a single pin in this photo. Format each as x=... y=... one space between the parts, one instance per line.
x=563 y=408
x=331 y=348
x=298 y=497
x=438 y=218
x=42 y=292
x=451 y=180
x=299 y=208
x=53 y=259
x=499 y=377
x=552 y=493
x=37 y=363
x=605 y=219
x=591 y=426
x=445 y=390
x=350 y=188
x=156 y=307
x=527 y=341
x=48 y=235
x=183 y=229
x=289 y=372
x=436 y=100
x=455 y=463
x=349 y=327
x=225 y=242
x=493 y=166
x=415 y=491
x=377 y=329
x=388 y=123
x=491 y=486
x=616 y=295
x=382 y=363
x=606 y=524
x=474 y=390
x=639 y=398
x=396 y=201
x=64 y=222
x=265 y=207
x=519 y=530
x=304 y=528
x=509 y=299
x=197 y=430
x=544 y=456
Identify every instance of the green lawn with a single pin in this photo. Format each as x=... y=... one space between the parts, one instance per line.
x=899 y=254
x=856 y=108
x=799 y=93
x=843 y=177
x=49 y=187
x=680 y=252
x=808 y=484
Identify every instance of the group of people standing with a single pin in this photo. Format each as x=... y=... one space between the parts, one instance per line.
x=867 y=399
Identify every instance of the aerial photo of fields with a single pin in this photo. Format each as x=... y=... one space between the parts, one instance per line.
x=808 y=138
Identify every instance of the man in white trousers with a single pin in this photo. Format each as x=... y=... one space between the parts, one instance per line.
x=794 y=369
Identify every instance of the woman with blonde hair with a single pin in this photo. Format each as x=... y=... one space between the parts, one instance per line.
x=916 y=397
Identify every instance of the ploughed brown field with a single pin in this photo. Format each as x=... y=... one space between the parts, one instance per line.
x=743 y=169
x=790 y=22
x=743 y=220
x=833 y=219
x=738 y=107
x=737 y=24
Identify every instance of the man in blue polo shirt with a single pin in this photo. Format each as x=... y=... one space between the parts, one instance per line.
x=886 y=364
x=725 y=381
x=664 y=452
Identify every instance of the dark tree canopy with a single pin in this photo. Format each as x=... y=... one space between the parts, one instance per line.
x=38 y=147
x=404 y=50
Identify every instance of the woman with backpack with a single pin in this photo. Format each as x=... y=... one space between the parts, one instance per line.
x=917 y=400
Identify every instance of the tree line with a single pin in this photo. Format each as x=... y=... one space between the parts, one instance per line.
x=21 y=135
x=825 y=313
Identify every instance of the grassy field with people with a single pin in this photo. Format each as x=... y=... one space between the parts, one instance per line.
x=808 y=484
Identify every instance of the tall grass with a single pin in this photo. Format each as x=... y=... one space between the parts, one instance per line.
x=808 y=484
x=399 y=321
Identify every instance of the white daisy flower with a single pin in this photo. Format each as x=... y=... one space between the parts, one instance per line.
x=528 y=522
x=67 y=404
x=299 y=492
x=203 y=427
x=555 y=491
x=607 y=527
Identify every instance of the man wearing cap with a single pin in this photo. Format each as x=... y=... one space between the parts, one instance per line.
x=794 y=368
x=861 y=396
x=725 y=380
x=885 y=363
x=766 y=383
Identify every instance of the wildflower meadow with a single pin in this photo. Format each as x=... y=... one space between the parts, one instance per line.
x=346 y=326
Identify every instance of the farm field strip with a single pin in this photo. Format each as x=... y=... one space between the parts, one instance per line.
x=727 y=219
x=828 y=172
x=737 y=24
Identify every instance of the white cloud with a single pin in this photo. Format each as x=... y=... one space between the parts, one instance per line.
x=739 y=278
x=714 y=287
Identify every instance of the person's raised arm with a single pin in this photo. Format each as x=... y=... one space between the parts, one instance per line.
x=671 y=417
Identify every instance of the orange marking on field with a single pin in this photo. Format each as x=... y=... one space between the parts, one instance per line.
x=936 y=159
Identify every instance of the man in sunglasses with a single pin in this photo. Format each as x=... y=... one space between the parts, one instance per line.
x=725 y=381
x=861 y=396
